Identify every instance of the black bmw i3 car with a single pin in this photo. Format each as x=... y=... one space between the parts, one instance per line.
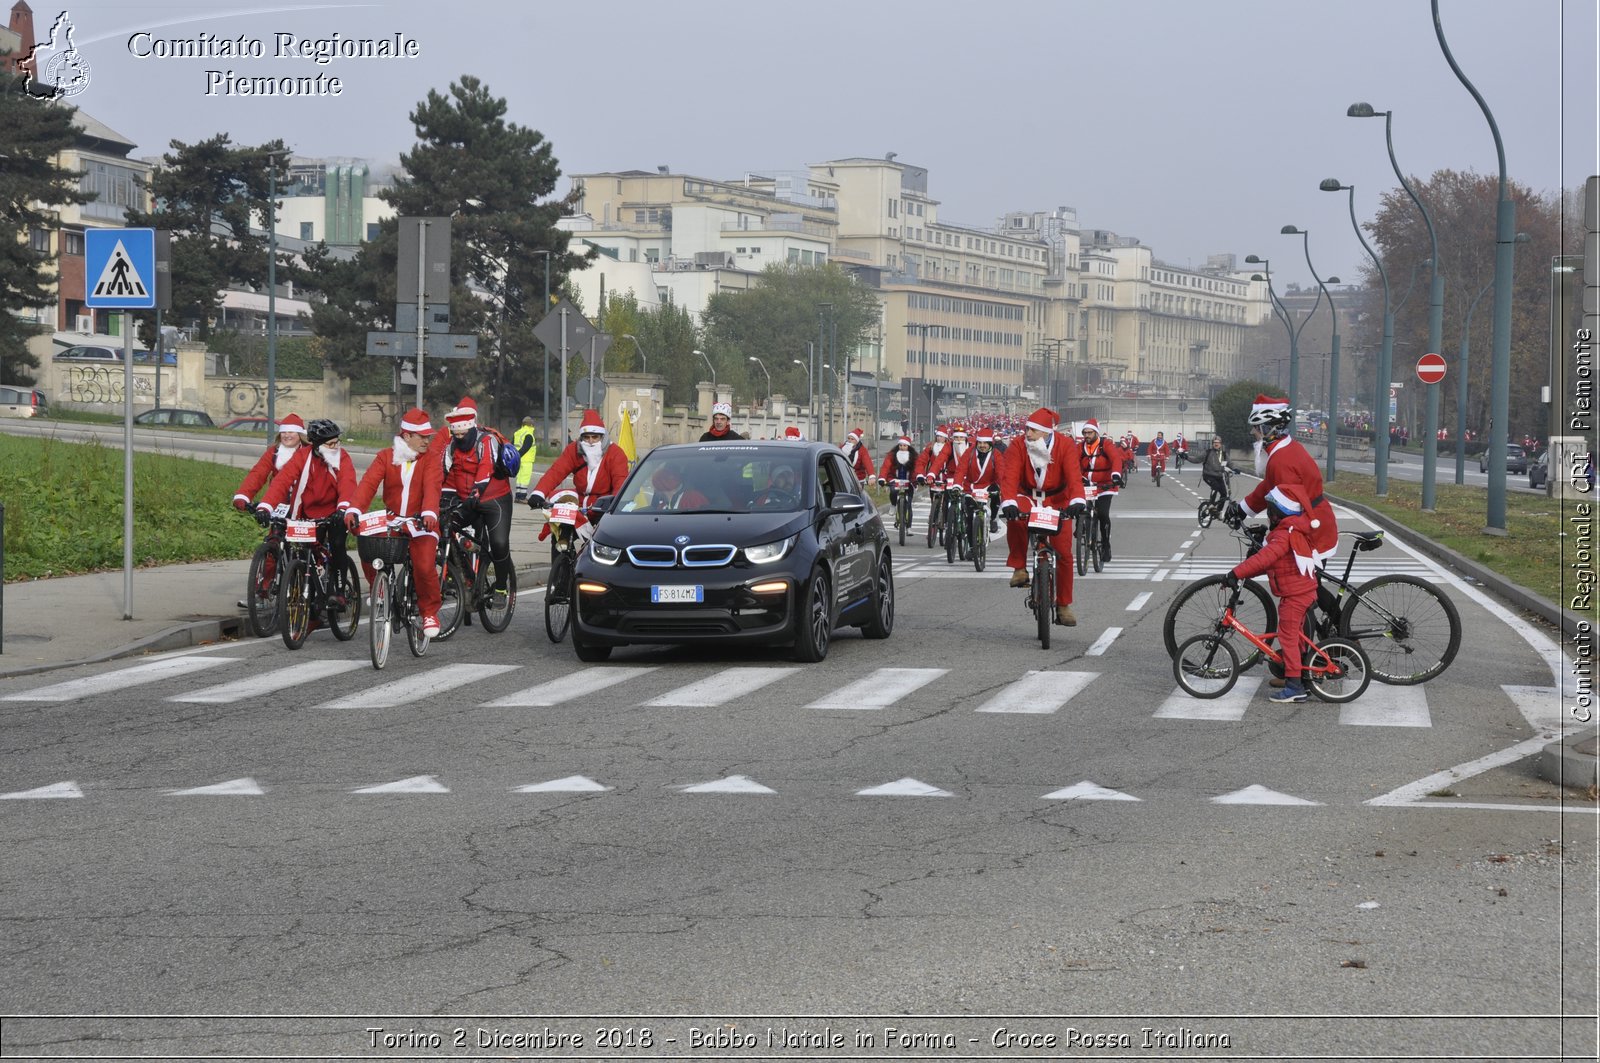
x=756 y=542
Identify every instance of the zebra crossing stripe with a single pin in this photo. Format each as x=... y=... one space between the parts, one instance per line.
x=268 y=683
x=138 y=675
x=1387 y=706
x=417 y=688
x=725 y=686
x=1039 y=692
x=1230 y=707
x=579 y=684
x=884 y=687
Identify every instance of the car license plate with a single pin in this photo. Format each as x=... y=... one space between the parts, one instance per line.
x=696 y=593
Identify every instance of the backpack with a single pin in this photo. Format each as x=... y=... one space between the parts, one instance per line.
x=507 y=458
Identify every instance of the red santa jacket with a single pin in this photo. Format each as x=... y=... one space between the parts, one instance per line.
x=931 y=462
x=893 y=470
x=1288 y=462
x=860 y=461
x=262 y=471
x=605 y=479
x=473 y=469
x=1277 y=558
x=311 y=489
x=1062 y=484
x=410 y=489
x=1100 y=460
x=977 y=471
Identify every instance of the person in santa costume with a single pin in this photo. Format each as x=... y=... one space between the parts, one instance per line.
x=1286 y=462
x=1044 y=471
x=1103 y=462
x=317 y=482
x=931 y=467
x=409 y=479
x=899 y=464
x=291 y=437
x=480 y=499
x=855 y=452
x=979 y=470
x=721 y=424
x=597 y=469
x=1286 y=558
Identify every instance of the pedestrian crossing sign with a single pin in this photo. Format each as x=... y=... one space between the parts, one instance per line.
x=119 y=269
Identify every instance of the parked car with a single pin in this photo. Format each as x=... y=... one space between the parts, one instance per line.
x=22 y=400
x=168 y=416
x=111 y=352
x=766 y=543
x=258 y=425
x=1516 y=459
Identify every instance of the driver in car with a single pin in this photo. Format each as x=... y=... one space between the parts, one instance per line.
x=671 y=493
x=781 y=489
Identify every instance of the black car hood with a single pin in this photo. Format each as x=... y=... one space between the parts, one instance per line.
x=737 y=529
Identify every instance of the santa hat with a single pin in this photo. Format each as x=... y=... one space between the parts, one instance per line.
x=959 y=430
x=292 y=423
x=1043 y=420
x=416 y=420
x=1268 y=404
x=855 y=435
x=1091 y=425
x=591 y=423
x=465 y=415
x=985 y=435
x=1292 y=500
x=791 y=432
x=903 y=441
x=724 y=408
x=942 y=432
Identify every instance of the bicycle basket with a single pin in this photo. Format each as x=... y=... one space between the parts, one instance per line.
x=390 y=549
x=1043 y=518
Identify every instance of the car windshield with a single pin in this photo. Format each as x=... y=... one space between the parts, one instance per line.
x=717 y=478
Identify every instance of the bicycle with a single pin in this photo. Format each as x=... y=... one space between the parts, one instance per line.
x=935 y=511
x=385 y=543
x=565 y=544
x=1158 y=465
x=1207 y=665
x=266 y=575
x=978 y=527
x=1043 y=523
x=902 y=507
x=954 y=531
x=1408 y=628
x=1086 y=544
x=312 y=587
x=1211 y=509
x=466 y=576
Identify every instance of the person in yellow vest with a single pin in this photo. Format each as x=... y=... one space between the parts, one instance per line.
x=526 y=440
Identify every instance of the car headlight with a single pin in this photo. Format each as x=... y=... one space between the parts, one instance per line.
x=767 y=553
x=606 y=555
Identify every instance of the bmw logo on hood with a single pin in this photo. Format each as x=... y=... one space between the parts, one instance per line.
x=680 y=540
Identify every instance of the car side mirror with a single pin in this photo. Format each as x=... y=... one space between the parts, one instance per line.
x=599 y=508
x=847 y=504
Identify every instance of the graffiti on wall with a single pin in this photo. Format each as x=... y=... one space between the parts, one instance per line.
x=101 y=383
x=245 y=397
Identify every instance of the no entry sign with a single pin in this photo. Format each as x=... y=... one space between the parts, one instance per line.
x=1430 y=368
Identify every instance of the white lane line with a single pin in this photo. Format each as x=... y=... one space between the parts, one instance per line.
x=1038 y=692
x=1103 y=643
x=1160 y=575
x=138 y=675
x=417 y=688
x=1175 y=558
x=725 y=686
x=882 y=688
x=570 y=687
x=1386 y=706
x=1139 y=602
x=269 y=682
x=1187 y=545
x=1230 y=707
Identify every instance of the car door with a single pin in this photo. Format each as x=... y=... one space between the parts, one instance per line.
x=855 y=554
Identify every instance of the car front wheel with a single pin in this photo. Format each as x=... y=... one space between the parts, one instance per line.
x=813 y=621
x=882 y=622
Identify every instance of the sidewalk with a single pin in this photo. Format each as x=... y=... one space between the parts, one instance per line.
x=54 y=623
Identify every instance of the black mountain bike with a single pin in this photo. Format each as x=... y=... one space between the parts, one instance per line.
x=466 y=578
x=978 y=527
x=313 y=586
x=559 y=587
x=1041 y=599
x=1085 y=538
x=902 y=507
x=955 y=524
x=393 y=598
x=266 y=575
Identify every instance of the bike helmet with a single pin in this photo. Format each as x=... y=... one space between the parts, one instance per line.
x=321 y=431
x=1268 y=412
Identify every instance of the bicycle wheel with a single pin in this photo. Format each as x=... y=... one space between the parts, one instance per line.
x=1094 y=554
x=1156 y=474
x=296 y=601
x=1080 y=543
x=1044 y=594
x=933 y=518
x=261 y=593
x=380 y=619
x=1408 y=628
x=496 y=607
x=406 y=596
x=1207 y=514
x=980 y=540
x=453 y=601
x=558 y=597
x=1197 y=607
x=1355 y=672
x=949 y=533
x=344 y=619
x=1206 y=666
x=903 y=510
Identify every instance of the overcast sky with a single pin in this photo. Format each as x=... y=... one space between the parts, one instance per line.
x=1198 y=127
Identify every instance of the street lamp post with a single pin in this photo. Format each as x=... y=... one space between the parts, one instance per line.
x=545 y=383
x=644 y=362
x=1380 y=402
x=811 y=387
x=819 y=354
x=1282 y=311
x=1333 y=370
x=1294 y=334
x=1430 y=428
x=763 y=366
x=1504 y=259
x=713 y=369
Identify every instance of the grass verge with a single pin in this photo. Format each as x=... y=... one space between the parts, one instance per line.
x=63 y=509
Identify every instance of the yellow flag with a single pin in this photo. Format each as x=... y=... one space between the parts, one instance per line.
x=625 y=437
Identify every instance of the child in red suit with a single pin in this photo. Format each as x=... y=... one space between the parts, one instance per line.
x=1287 y=559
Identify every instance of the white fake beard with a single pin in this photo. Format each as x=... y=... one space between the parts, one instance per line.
x=591 y=452
x=403 y=453
x=1261 y=458
x=938 y=448
x=1039 y=450
x=960 y=450
x=902 y=457
x=284 y=454
x=332 y=455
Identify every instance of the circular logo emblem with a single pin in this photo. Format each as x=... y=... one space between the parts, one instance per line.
x=67 y=73
x=680 y=540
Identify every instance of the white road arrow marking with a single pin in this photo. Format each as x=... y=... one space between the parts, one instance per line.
x=733 y=784
x=572 y=784
x=59 y=789
x=1260 y=795
x=1088 y=791
x=417 y=784
x=240 y=787
x=903 y=788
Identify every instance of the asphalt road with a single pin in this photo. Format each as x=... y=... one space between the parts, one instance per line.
x=994 y=850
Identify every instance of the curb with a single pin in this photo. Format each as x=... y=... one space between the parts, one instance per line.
x=1515 y=593
x=1572 y=762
